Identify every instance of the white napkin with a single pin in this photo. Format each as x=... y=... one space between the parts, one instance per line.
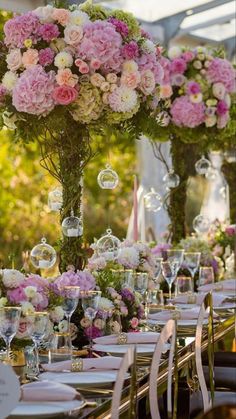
x=104 y=363
x=47 y=391
x=218 y=299
x=136 y=337
x=188 y=314
x=227 y=285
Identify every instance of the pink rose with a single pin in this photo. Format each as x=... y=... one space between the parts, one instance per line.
x=73 y=34
x=95 y=64
x=130 y=79
x=230 y=230
x=147 y=84
x=22 y=329
x=134 y=322
x=62 y=16
x=14 y=59
x=165 y=91
x=188 y=56
x=64 y=95
x=66 y=77
x=30 y=57
x=78 y=61
x=84 y=68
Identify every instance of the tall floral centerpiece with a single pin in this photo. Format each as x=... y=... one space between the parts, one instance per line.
x=67 y=75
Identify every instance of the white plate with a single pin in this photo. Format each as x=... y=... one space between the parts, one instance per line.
x=144 y=349
x=40 y=409
x=181 y=323
x=83 y=378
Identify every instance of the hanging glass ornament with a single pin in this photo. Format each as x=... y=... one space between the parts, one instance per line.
x=72 y=226
x=43 y=256
x=108 y=178
x=201 y=224
x=211 y=174
x=171 y=180
x=230 y=155
x=55 y=199
x=202 y=165
x=108 y=245
x=153 y=201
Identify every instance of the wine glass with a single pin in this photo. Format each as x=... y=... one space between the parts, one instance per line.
x=192 y=261
x=71 y=298
x=175 y=255
x=157 y=272
x=90 y=302
x=9 y=323
x=206 y=275
x=37 y=328
x=169 y=271
x=141 y=282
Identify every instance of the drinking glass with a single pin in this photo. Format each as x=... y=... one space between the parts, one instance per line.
x=184 y=285
x=37 y=327
x=169 y=271
x=9 y=323
x=90 y=302
x=206 y=275
x=157 y=272
x=175 y=255
x=70 y=301
x=141 y=283
x=60 y=347
x=191 y=261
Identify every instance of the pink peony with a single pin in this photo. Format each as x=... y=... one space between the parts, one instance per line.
x=149 y=62
x=14 y=59
x=3 y=92
x=64 y=95
x=147 y=84
x=222 y=108
x=46 y=56
x=48 y=32
x=73 y=35
x=62 y=16
x=66 y=77
x=130 y=50
x=130 y=79
x=33 y=90
x=188 y=56
x=193 y=88
x=30 y=57
x=187 y=114
x=178 y=65
x=222 y=71
x=120 y=26
x=20 y=28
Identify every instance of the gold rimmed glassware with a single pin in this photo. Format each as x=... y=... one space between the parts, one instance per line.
x=9 y=323
x=90 y=303
x=71 y=295
x=37 y=325
x=191 y=262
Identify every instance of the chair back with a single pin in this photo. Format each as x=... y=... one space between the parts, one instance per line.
x=127 y=361
x=168 y=331
x=206 y=307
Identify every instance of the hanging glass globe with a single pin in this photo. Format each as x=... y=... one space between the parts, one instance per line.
x=211 y=174
x=153 y=201
x=201 y=224
x=55 y=199
x=43 y=256
x=72 y=226
x=230 y=155
x=202 y=165
x=108 y=178
x=171 y=180
x=108 y=245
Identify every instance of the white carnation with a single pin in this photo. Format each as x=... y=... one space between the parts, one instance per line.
x=9 y=80
x=174 y=52
x=63 y=60
x=12 y=278
x=57 y=314
x=105 y=304
x=78 y=18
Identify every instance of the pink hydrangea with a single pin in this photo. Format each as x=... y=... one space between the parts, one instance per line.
x=48 y=32
x=101 y=40
x=120 y=26
x=149 y=62
x=83 y=279
x=33 y=91
x=46 y=56
x=187 y=114
x=20 y=28
x=221 y=71
x=178 y=66
x=130 y=50
x=3 y=92
x=16 y=295
x=165 y=63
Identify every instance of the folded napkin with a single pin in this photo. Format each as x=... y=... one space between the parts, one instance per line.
x=227 y=285
x=139 y=337
x=48 y=391
x=218 y=299
x=104 y=363
x=188 y=314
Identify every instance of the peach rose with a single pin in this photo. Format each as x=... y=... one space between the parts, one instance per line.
x=147 y=84
x=62 y=16
x=105 y=98
x=165 y=91
x=30 y=57
x=73 y=34
x=97 y=79
x=113 y=87
x=14 y=59
x=130 y=79
x=66 y=77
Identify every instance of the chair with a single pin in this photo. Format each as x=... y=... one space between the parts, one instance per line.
x=168 y=331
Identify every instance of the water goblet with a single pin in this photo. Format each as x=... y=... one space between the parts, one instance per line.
x=206 y=275
x=90 y=303
x=9 y=323
x=157 y=272
x=71 y=298
x=37 y=328
x=192 y=261
x=169 y=271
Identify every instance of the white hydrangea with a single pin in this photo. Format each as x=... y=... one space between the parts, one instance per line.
x=3 y=301
x=9 y=80
x=174 y=52
x=77 y=17
x=128 y=257
x=30 y=291
x=27 y=308
x=105 y=304
x=63 y=59
x=57 y=314
x=44 y=13
x=12 y=278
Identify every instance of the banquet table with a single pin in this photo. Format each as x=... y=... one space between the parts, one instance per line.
x=223 y=328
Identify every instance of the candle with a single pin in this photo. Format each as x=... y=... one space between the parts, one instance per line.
x=135 y=209
x=43 y=264
x=72 y=232
x=108 y=184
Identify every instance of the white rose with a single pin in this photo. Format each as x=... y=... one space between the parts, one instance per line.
x=174 y=52
x=44 y=13
x=197 y=64
x=9 y=120
x=79 y=18
x=27 y=308
x=57 y=314
x=3 y=301
x=218 y=90
x=14 y=59
x=73 y=34
x=12 y=278
x=63 y=60
x=30 y=291
x=9 y=80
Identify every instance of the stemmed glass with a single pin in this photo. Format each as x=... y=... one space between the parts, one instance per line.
x=37 y=327
x=140 y=286
x=169 y=271
x=90 y=302
x=157 y=272
x=192 y=261
x=175 y=255
x=9 y=323
x=71 y=298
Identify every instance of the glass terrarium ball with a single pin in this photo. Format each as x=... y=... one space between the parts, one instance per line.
x=202 y=166
x=171 y=180
x=108 y=245
x=153 y=201
x=201 y=224
x=55 y=199
x=108 y=178
x=72 y=226
x=43 y=256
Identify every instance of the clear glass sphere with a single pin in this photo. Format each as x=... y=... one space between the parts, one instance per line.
x=153 y=201
x=211 y=174
x=108 y=178
x=108 y=245
x=202 y=166
x=171 y=180
x=43 y=256
x=230 y=155
x=201 y=224
x=55 y=199
x=72 y=226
